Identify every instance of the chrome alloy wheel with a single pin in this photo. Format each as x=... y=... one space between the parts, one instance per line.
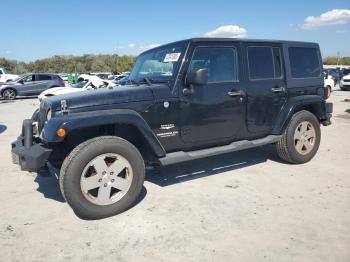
x=304 y=138
x=106 y=179
x=9 y=94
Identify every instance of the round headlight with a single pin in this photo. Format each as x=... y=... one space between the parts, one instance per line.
x=48 y=115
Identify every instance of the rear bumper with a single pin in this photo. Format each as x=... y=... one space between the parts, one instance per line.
x=329 y=111
x=30 y=155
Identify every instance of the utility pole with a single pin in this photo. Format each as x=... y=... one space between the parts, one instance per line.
x=338 y=58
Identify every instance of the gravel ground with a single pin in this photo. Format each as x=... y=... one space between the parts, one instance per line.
x=244 y=206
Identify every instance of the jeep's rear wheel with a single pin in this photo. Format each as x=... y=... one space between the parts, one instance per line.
x=301 y=139
x=102 y=177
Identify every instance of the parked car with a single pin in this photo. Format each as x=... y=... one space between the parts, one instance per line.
x=123 y=81
x=345 y=82
x=118 y=77
x=30 y=84
x=84 y=83
x=4 y=77
x=329 y=83
x=335 y=73
x=190 y=99
x=346 y=72
x=64 y=76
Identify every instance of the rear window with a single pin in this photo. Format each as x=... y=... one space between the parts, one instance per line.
x=304 y=62
x=44 y=77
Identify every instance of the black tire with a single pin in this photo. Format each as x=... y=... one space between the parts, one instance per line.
x=286 y=148
x=75 y=163
x=35 y=115
x=7 y=91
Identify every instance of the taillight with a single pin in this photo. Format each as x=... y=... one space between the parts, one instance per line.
x=324 y=91
x=61 y=81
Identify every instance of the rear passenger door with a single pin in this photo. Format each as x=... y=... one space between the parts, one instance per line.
x=266 y=86
x=43 y=82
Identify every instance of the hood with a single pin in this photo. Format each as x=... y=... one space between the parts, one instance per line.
x=7 y=84
x=346 y=77
x=61 y=90
x=103 y=96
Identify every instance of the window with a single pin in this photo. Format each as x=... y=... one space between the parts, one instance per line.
x=29 y=78
x=44 y=77
x=304 y=62
x=277 y=62
x=221 y=63
x=158 y=65
x=264 y=62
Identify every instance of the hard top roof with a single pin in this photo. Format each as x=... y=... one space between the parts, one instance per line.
x=246 y=40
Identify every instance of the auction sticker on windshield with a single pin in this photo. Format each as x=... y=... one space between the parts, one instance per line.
x=171 y=57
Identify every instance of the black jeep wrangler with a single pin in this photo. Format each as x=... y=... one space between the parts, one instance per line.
x=185 y=100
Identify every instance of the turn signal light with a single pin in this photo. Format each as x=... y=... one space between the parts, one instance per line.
x=61 y=132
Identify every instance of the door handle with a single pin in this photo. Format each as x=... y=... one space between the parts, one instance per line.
x=236 y=93
x=278 y=89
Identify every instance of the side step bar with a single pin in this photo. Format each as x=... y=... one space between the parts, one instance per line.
x=182 y=156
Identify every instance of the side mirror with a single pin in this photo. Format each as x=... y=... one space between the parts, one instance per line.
x=197 y=77
x=21 y=81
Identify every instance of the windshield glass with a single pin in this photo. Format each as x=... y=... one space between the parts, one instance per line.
x=80 y=84
x=19 y=78
x=158 y=65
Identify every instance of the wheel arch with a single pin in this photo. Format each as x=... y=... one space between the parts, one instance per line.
x=312 y=103
x=7 y=88
x=123 y=123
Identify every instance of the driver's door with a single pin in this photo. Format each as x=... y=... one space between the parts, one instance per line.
x=214 y=111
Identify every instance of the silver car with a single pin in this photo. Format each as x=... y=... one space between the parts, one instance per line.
x=30 y=85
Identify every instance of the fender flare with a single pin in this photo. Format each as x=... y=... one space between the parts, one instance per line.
x=293 y=105
x=75 y=121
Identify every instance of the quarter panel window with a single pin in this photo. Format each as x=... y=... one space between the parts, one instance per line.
x=304 y=62
x=44 y=77
x=221 y=63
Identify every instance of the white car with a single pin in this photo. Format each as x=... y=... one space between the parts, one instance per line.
x=84 y=83
x=345 y=82
x=4 y=77
x=329 y=83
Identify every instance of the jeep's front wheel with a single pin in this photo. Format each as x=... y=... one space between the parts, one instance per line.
x=301 y=139
x=102 y=177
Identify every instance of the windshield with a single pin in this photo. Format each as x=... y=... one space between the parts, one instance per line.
x=80 y=84
x=19 y=78
x=158 y=65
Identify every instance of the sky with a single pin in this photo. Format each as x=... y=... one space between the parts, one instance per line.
x=31 y=30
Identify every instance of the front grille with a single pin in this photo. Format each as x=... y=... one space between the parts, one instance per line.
x=346 y=80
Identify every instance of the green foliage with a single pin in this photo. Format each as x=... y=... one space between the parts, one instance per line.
x=71 y=64
x=333 y=60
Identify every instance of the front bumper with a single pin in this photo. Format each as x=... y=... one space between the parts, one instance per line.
x=27 y=151
x=344 y=84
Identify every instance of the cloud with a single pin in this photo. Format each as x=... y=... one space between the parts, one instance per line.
x=333 y=17
x=232 y=31
x=131 y=45
x=146 y=47
x=8 y=52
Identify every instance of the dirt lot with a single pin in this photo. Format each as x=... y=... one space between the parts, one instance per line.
x=245 y=206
